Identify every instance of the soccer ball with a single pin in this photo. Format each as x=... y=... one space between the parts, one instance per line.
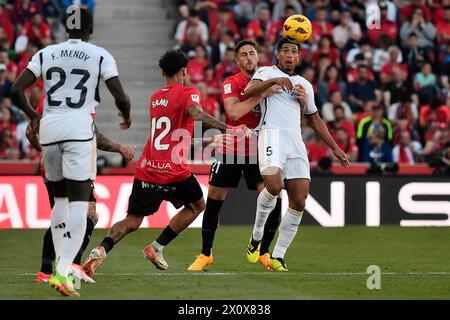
x=297 y=28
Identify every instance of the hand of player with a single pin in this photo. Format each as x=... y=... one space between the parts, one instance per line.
x=221 y=139
x=341 y=156
x=300 y=93
x=275 y=89
x=126 y=123
x=242 y=129
x=34 y=123
x=127 y=152
x=284 y=83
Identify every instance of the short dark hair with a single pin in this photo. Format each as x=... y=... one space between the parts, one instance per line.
x=172 y=62
x=286 y=40
x=339 y=107
x=244 y=43
x=86 y=23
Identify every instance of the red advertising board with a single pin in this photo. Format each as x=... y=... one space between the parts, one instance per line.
x=24 y=202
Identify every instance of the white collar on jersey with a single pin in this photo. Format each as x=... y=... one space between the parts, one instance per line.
x=74 y=40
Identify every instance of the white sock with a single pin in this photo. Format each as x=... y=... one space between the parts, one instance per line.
x=287 y=231
x=59 y=222
x=74 y=235
x=159 y=247
x=264 y=205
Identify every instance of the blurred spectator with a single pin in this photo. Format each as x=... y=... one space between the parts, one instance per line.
x=425 y=83
x=15 y=113
x=381 y=54
x=11 y=66
x=415 y=57
x=346 y=31
x=340 y=122
x=407 y=10
x=212 y=84
x=365 y=49
x=395 y=58
x=361 y=90
x=373 y=123
x=396 y=87
x=262 y=27
x=323 y=167
x=23 y=10
x=376 y=150
x=320 y=25
x=220 y=48
x=5 y=84
x=331 y=83
x=317 y=149
x=387 y=27
x=434 y=147
x=280 y=6
x=326 y=49
x=406 y=151
x=346 y=144
x=198 y=27
x=227 y=67
x=434 y=116
x=224 y=23
x=353 y=72
x=328 y=107
x=209 y=103
x=443 y=27
x=197 y=64
x=421 y=27
x=37 y=30
x=444 y=164
x=403 y=108
x=402 y=124
x=9 y=147
x=5 y=24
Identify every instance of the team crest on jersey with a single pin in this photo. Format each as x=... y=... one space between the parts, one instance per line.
x=227 y=88
x=195 y=98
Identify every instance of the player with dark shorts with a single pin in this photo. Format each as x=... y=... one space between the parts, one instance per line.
x=162 y=173
x=227 y=171
x=48 y=249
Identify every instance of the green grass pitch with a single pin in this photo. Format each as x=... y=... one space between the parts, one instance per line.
x=324 y=263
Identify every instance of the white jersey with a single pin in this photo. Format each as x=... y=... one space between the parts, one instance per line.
x=282 y=111
x=71 y=73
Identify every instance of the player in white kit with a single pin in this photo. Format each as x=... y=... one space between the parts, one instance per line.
x=71 y=72
x=282 y=155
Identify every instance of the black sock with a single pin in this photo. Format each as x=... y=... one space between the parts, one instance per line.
x=108 y=244
x=166 y=236
x=48 y=253
x=87 y=237
x=210 y=223
x=270 y=228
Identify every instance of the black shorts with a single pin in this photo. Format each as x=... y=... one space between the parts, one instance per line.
x=146 y=197
x=224 y=175
x=51 y=196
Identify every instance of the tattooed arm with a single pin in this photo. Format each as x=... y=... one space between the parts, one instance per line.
x=196 y=112
x=104 y=144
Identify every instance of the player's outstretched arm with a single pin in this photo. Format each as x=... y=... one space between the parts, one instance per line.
x=316 y=122
x=121 y=99
x=104 y=144
x=23 y=81
x=258 y=88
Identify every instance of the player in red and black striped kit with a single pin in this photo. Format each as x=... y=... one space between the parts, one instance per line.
x=226 y=174
x=162 y=173
x=48 y=249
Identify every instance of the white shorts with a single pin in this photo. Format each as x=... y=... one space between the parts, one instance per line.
x=285 y=150
x=73 y=160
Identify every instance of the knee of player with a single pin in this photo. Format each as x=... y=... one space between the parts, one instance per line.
x=298 y=204
x=198 y=207
x=274 y=189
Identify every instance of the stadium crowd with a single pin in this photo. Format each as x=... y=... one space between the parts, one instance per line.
x=380 y=69
x=382 y=85
x=25 y=27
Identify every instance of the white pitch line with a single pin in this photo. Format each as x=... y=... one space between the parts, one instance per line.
x=168 y=274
